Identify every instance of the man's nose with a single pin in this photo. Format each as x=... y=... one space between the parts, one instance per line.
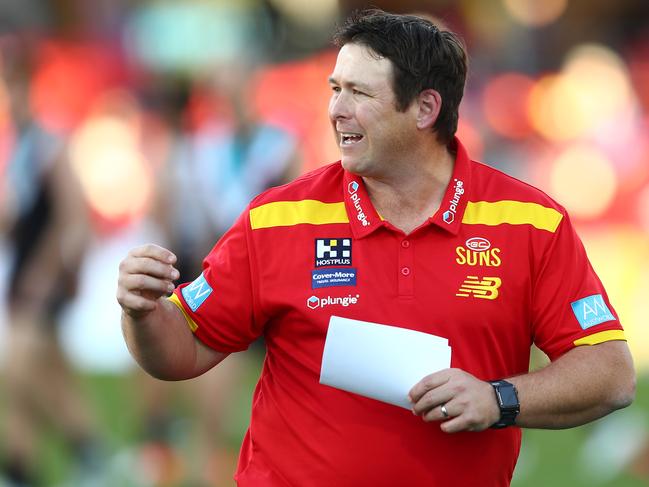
x=339 y=107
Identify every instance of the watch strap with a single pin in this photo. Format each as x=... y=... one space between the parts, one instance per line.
x=507 y=398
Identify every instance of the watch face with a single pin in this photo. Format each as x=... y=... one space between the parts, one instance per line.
x=508 y=396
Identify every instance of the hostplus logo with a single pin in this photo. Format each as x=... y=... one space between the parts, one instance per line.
x=315 y=302
x=458 y=188
x=333 y=251
x=360 y=214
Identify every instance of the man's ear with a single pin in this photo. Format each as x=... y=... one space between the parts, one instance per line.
x=430 y=103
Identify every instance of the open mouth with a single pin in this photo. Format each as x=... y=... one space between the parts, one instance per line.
x=349 y=138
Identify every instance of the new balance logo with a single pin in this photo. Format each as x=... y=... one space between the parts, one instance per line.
x=483 y=288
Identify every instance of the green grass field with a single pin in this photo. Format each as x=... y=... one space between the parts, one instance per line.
x=598 y=454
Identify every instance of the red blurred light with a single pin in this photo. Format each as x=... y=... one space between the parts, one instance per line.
x=67 y=80
x=640 y=77
x=504 y=102
x=295 y=96
x=6 y=131
x=471 y=139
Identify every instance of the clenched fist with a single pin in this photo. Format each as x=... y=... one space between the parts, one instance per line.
x=146 y=274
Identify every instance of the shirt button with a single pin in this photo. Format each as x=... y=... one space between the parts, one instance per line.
x=405 y=244
x=405 y=271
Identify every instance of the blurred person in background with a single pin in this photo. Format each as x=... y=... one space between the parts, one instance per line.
x=226 y=150
x=236 y=155
x=48 y=232
x=396 y=88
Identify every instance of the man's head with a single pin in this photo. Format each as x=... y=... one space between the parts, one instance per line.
x=422 y=57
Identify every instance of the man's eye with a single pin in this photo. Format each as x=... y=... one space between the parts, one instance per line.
x=335 y=89
x=357 y=92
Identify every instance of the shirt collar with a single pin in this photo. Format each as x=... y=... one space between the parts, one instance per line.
x=364 y=219
x=451 y=210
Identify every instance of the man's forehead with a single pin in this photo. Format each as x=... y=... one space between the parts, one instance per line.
x=358 y=62
x=361 y=51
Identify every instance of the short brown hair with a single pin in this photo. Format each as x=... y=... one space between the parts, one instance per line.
x=422 y=56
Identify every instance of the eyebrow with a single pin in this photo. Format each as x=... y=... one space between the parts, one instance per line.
x=350 y=84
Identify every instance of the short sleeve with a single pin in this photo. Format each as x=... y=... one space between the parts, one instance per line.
x=569 y=303
x=219 y=305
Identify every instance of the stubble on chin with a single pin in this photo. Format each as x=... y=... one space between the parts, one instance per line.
x=352 y=166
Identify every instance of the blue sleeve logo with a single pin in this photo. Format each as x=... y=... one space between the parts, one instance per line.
x=196 y=293
x=591 y=311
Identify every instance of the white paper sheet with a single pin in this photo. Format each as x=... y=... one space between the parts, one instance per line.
x=380 y=361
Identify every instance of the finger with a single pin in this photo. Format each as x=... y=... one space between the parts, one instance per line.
x=133 y=304
x=455 y=425
x=146 y=284
x=432 y=399
x=155 y=252
x=149 y=266
x=437 y=414
x=463 y=417
x=427 y=383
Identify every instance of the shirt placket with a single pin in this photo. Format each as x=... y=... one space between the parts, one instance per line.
x=406 y=274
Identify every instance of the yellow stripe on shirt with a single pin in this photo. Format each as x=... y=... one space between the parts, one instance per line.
x=513 y=213
x=192 y=324
x=289 y=213
x=601 y=337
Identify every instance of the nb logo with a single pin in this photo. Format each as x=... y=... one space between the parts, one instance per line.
x=483 y=288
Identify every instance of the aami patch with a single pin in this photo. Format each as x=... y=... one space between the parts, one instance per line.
x=591 y=311
x=196 y=293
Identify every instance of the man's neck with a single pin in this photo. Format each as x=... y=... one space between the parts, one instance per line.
x=413 y=192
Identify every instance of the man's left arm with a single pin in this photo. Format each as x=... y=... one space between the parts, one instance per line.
x=584 y=384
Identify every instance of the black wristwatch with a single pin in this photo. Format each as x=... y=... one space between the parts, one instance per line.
x=507 y=402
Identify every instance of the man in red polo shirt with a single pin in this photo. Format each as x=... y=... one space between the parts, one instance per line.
x=404 y=231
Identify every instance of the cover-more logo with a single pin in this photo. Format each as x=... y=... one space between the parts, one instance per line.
x=477 y=287
x=333 y=276
x=315 y=302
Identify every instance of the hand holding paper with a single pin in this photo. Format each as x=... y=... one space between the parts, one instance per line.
x=380 y=361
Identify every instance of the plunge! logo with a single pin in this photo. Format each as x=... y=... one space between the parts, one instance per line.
x=458 y=191
x=315 y=302
x=356 y=200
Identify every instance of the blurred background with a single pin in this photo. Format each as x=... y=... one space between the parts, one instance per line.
x=124 y=122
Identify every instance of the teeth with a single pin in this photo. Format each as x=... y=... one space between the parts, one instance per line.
x=350 y=138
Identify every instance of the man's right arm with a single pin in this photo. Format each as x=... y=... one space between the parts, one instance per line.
x=155 y=330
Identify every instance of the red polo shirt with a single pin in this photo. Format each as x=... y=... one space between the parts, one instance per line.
x=497 y=268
